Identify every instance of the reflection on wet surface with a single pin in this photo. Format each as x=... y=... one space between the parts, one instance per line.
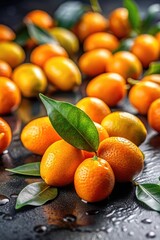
x=119 y=214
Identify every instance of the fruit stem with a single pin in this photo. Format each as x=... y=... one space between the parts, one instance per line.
x=132 y=81
x=95 y=157
x=95 y=6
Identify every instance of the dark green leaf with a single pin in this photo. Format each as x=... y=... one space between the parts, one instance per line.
x=125 y=45
x=36 y=194
x=154 y=68
x=149 y=194
x=31 y=169
x=155 y=29
x=39 y=34
x=22 y=36
x=151 y=17
x=72 y=124
x=134 y=15
x=69 y=13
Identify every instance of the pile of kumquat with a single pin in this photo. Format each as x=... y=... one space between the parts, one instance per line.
x=89 y=143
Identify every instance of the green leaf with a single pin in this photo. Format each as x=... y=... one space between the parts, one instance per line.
x=39 y=34
x=155 y=29
x=22 y=36
x=36 y=194
x=31 y=169
x=149 y=194
x=72 y=124
x=134 y=15
x=69 y=13
x=125 y=45
x=152 y=13
x=154 y=68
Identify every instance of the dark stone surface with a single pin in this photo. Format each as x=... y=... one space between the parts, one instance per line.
x=118 y=217
x=67 y=217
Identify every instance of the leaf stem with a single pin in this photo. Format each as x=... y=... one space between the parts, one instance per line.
x=135 y=183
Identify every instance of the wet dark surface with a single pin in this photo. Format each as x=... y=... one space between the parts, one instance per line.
x=67 y=217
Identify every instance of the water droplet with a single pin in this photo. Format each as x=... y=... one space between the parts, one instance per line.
x=7 y=217
x=131 y=233
x=156 y=227
x=109 y=230
x=5 y=151
x=151 y=235
x=92 y=212
x=3 y=200
x=99 y=236
x=103 y=228
x=84 y=201
x=14 y=195
x=110 y=213
x=124 y=229
x=117 y=223
x=147 y=221
x=69 y=218
x=114 y=219
x=40 y=228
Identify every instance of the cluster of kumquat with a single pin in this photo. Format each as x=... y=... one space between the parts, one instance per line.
x=110 y=69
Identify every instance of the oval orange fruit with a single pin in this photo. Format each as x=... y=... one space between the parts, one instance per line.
x=124 y=157
x=59 y=163
x=94 y=179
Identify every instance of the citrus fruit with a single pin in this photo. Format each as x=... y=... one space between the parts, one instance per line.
x=126 y=64
x=30 y=79
x=95 y=108
x=124 y=124
x=40 y=18
x=154 y=115
x=59 y=163
x=12 y=53
x=67 y=39
x=5 y=69
x=157 y=36
x=63 y=73
x=119 y=22
x=38 y=135
x=5 y=135
x=6 y=33
x=146 y=48
x=100 y=40
x=143 y=94
x=94 y=179
x=109 y=87
x=102 y=132
x=90 y=22
x=124 y=157
x=10 y=96
x=42 y=53
x=94 y=62
x=152 y=78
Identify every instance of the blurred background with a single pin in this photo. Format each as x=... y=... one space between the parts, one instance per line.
x=13 y=11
